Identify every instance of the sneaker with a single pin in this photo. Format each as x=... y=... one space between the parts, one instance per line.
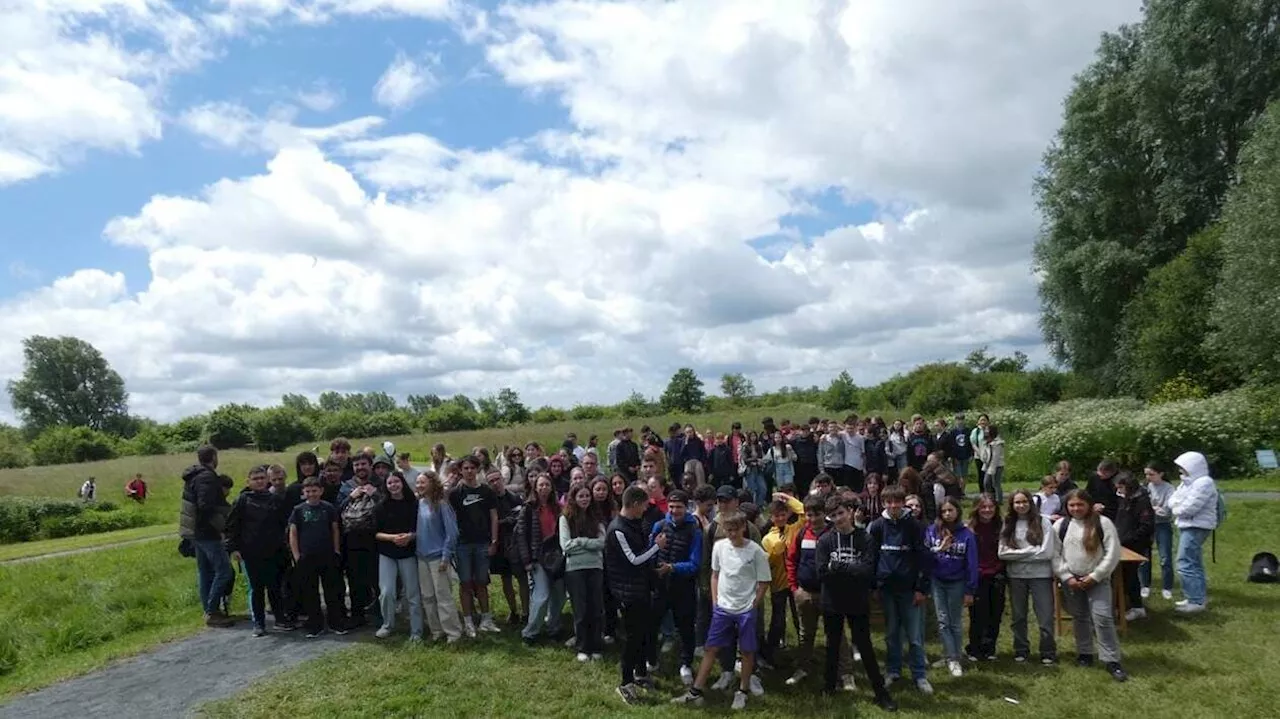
x=1189 y=608
x=991 y=656
x=609 y=640
x=953 y=666
x=469 y=628
x=686 y=675
x=645 y=683
x=1048 y=660
x=698 y=651
x=737 y=667
x=1020 y=658
x=971 y=657
x=924 y=687
x=739 y=700
x=629 y=694
x=1117 y=672
x=724 y=682
x=651 y=667
x=218 y=620
x=668 y=646
x=763 y=664
x=597 y=657
x=452 y=640
x=848 y=684
x=1167 y=594
x=890 y=679
x=1135 y=614
x=857 y=655
x=415 y=638
x=437 y=637
x=570 y=642
x=1146 y=592
x=582 y=657
x=528 y=641
x=757 y=688
x=342 y=632
x=313 y=634
x=382 y=633
x=796 y=678
x=259 y=631
x=886 y=702
x=1084 y=660
x=487 y=625
x=692 y=698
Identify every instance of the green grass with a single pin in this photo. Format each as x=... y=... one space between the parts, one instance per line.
x=69 y=615
x=1220 y=664
x=23 y=550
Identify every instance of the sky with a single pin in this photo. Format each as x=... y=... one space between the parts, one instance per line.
x=237 y=199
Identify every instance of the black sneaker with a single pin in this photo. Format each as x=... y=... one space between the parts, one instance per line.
x=886 y=702
x=259 y=631
x=629 y=694
x=514 y=620
x=531 y=642
x=314 y=633
x=1084 y=660
x=645 y=682
x=286 y=626
x=1117 y=672
x=341 y=632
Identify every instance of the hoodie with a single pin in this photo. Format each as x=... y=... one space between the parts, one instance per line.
x=1195 y=501
x=900 y=557
x=959 y=560
x=256 y=525
x=203 y=514
x=1023 y=560
x=846 y=571
x=802 y=563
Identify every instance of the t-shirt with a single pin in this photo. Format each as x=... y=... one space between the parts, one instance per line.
x=315 y=528
x=472 y=505
x=741 y=571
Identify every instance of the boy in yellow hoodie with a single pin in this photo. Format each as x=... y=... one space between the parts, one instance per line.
x=786 y=513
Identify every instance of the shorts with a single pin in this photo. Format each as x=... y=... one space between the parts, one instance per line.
x=501 y=565
x=725 y=625
x=472 y=562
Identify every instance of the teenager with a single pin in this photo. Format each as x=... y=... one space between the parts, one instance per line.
x=954 y=550
x=1195 y=510
x=902 y=573
x=476 y=510
x=506 y=562
x=1048 y=503
x=786 y=521
x=919 y=444
x=780 y=460
x=847 y=575
x=993 y=465
x=255 y=533
x=1161 y=493
x=632 y=566
x=1088 y=554
x=728 y=502
x=582 y=541
x=805 y=446
x=1136 y=524
x=1027 y=547
x=987 y=610
x=436 y=546
x=677 y=592
x=397 y=537
x=358 y=500
x=537 y=537
x=315 y=541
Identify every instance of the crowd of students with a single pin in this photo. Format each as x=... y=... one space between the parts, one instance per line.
x=705 y=545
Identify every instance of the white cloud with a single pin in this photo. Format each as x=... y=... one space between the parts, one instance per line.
x=319 y=98
x=585 y=261
x=404 y=82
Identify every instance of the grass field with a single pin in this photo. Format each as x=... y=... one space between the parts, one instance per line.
x=1220 y=664
x=23 y=550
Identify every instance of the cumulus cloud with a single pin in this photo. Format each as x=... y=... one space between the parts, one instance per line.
x=404 y=82
x=584 y=261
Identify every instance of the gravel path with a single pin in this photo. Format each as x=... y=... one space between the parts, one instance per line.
x=82 y=550
x=174 y=679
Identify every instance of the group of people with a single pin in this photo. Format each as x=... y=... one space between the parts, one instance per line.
x=678 y=547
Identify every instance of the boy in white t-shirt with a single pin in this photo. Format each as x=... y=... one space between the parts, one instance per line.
x=739 y=579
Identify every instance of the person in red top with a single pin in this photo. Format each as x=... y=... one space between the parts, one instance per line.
x=136 y=489
x=987 y=609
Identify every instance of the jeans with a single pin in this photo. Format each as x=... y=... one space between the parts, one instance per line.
x=902 y=617
x=860 y=628
x=586 y=591
x=406 y=570
x=264 y=585
x=948 y=602
x=1040 y=592
x=436 y=589
x=1164 y=545
x=1092 y=613
x=1191 y=564
x=213 y=573
x=993 y=484
x=759 y=490
x=546 y=604
x=985 y=616
x=809 y=611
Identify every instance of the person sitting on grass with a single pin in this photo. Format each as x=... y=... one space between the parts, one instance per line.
x=315 y=540
x=740 y=577
x=254 y=536
x=1087 y=555
x=136 y=489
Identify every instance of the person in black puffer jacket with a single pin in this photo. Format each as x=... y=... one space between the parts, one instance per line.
x=631 y=567
x=1136 y=527
x=255 y=533
x=202 y=519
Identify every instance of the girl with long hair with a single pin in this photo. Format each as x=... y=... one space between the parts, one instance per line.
x=437 y=541
x=536 y=531
x=582 y=541
x=1160 y=491
x=954 y=550
x=1027 y=548
x=987 y=609
x=1088 y=553
x=396 y=523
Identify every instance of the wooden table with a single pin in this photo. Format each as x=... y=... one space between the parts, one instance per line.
x=1119 y=599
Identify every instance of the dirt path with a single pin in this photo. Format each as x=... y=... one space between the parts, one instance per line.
x=83 y=550
x=174 y=679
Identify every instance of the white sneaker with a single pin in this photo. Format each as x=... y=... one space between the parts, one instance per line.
x=597 y=657
x=890 y=679
x=698 y=651
x=608 y=640
x=668 y=646
x=469 y=628
x=582 y=657
x=686 y=675
x=688 y=698
x=924 y=686
x=739 y=700
x=570 y=642
x=724 y=682
x=796 y=678
x=1135 y=614
x=451 y=640
x=737 y=667
x=487 y=625
x=757 y=689
x=848 y=684
x=953 y=666
x=1166 y=593
x=1146 y=592
x=857 y=655
x=382 y=633
x=1189 y=608
x=653 y=668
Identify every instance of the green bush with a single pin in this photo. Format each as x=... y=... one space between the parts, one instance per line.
x=21 y=518
x=104 y=506
x=71 y=445
x=587 y=412
x=228 y=427
x=344 y=423
x=147 y=443
x=389 y=424
x=278 y=428
x=547 y=415
x=13 y=448
x=92 y=523
x=188 y=429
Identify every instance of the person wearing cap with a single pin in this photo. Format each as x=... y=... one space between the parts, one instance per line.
x=382 y=468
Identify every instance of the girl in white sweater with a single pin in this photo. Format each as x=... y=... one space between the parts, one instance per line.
x=1088 y=554
x=1027 y=548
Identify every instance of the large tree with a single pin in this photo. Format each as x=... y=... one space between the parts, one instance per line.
x=1150 y=136
x=67 y=381
x=736 y=387
x=684 y=392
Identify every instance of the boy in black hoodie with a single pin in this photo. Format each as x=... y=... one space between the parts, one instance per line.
x=630 y=567
x=902 y=573
x=255 y=535
x=847 y=575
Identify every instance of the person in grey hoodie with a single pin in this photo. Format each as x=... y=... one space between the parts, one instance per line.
x=1161 y=493
x=1027 y=548
x=1195 y=511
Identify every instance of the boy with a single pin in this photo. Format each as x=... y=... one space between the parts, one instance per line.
x=902 y=572
x=802 y=578
x=678 y=591
x=630 y=567
x=724 y=471
x=786 y=524
x=277 y=479
x=476 y=509
x=704 y=501
x=847 y=576
x=316 y=544
x=739 y=578
x=1047 y=499
x=254 y=535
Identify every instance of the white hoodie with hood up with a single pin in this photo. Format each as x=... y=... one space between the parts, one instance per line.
x=1195 y=501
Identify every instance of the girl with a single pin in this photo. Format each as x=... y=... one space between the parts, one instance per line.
x=1027 y=547
x=954 y=550
x=437 y=540
x=602 y=502
x=1048 y=503
x=1160 y=492
x=1088 y=553
x=782 y=457
x=870 y=498
x=751 y=468
x=916 y=508
x=536 y=530
x=582 y=541
x=897 y=448
x=514 y=474
x=559 y=474
x=993 y=466
x=1135 y=523
x=909 y=480
x=618 y=483
x=988 y=605
x=396 y=522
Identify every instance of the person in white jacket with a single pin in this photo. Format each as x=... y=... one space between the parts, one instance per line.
x=1087 y=556
x=1027 y=548
x=1195 y=511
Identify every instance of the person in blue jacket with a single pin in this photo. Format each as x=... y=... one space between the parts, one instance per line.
x=902 y=574
x=677 y=592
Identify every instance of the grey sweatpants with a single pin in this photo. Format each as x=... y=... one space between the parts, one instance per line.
x=1040 y=593
x=1092 y=613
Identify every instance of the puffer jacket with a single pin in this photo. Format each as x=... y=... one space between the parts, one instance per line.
x=1195 y=501
x=204 y=510
x=529 y=537
x=256 y=525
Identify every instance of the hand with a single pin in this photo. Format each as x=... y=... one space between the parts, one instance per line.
x=1073 y=584
x=493 y=548
x=919 y=599
x=444 y=567
x=661 y=541
x=1087 y=582
x=801 y=595
x=968 y=600
x=1098 y=508
x=664 y=569
x=235 y=557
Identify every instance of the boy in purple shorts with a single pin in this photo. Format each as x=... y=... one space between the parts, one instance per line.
x=739 y=579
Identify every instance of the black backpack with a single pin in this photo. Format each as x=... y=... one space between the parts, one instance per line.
x=1065 y=523
x=1264 y=569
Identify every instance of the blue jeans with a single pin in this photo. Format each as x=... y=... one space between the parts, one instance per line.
x=407 y=571
x=546 y=605
x=1191 y=564
x=1164 y=545
x=902 y=616
x=754 y=481
x=213 y=572
x=948 y=602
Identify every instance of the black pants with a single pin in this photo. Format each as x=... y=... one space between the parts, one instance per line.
x=985 y=616
x=860 y=628
x=778 y=602
x=586 y=592
x=637 y=622
x=1132 y=584
x=804 y=477
x=362 y=581
x=857 y=480
x=322 y=571
x=680 y=597
x=264 y=585
x=289 y=598
x=610 y=612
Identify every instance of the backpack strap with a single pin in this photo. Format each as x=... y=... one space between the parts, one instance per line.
x=1066 y=524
